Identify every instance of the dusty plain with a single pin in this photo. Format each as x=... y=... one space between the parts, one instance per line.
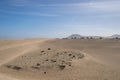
x=60 y=59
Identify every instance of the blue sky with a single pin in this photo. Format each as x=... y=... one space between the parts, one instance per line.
x=58 y=18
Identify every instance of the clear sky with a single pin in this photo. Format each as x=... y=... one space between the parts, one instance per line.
x=58 y=18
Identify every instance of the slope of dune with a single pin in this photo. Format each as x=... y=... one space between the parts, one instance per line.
x=10 y=49
x=106 y=51
x=44 y=59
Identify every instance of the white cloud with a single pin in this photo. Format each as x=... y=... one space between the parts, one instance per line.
x=105 y=5
x=102 y=8
x=99 y=7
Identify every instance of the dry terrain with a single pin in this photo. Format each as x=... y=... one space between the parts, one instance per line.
x=60 y=59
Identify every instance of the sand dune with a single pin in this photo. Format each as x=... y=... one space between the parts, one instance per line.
x=106 y=51
x=45 y=59
x=10 y=49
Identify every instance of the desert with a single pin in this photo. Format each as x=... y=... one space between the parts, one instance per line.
x=60 y=59
x=59 y=39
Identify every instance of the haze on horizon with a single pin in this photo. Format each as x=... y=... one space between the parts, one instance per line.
x=58 y=18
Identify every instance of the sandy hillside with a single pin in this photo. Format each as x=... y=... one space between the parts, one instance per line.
x=43 y=59
x=106 y=51
x=10 y=49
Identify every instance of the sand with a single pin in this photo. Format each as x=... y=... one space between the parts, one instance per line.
x=106 y=51
x=59 y=59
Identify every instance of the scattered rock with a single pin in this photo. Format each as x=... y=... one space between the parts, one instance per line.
x=70 y=54
x=49 y=48
x=42 y=51
x=65 y=52
x=63 y=61
x=34 y=67
x=44 y=72
x=61 y=67
x=46 y=60
x=69 y=65
x=8 y=66
x=53 y=60
x=38 y=64
x=56 y=59
x=73 y=56
x=16 y=68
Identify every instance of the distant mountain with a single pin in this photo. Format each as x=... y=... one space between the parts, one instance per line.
x=74 y=36
x=115 y=35
x=77 y=36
